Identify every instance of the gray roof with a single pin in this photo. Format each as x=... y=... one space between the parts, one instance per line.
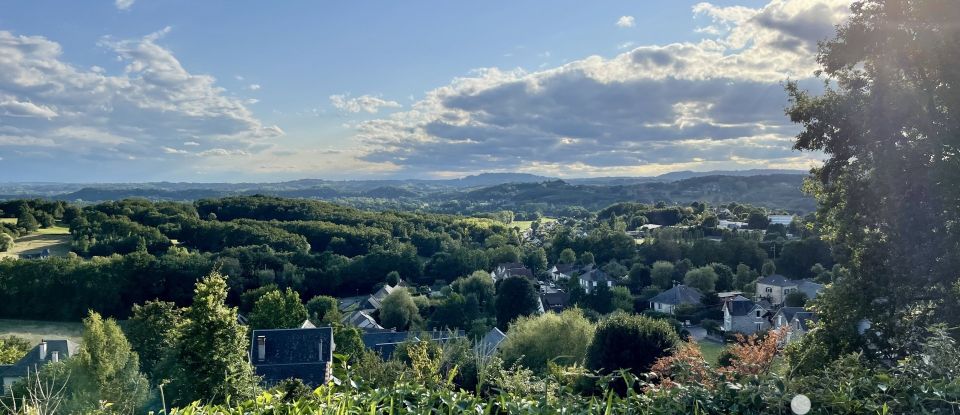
x=777 y=280
x=377 y=298
x=555 y=300
x=810 y=288
x=33 y=360
x=566 y=269
x=788 y=313
x=512 y=269
x=489 y=343
x=386 y=342
x=678 y=295
x=595 y=275
x=293 y=353
x=740 y=307
x=805 y=318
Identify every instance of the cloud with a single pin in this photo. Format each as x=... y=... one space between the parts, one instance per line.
x=717 y=102
x=626 y=21
x=253 y=87
x=123 y=4
x=82 y=115
x=366 y=103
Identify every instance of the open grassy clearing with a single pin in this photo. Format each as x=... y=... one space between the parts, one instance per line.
x=8 y=220
x=711 y=351
x=525 y=224
x=56 y=239
x=34 y=331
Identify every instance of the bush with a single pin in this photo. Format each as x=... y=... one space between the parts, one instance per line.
x=629 y=341
x=536 y=340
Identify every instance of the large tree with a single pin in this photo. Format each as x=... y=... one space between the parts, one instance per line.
x=888 y=191
x=535 y=341
x=629 y=341
x=106 y=369
x=152 y=331
x=398 y=310
x=209 y=361
x=515 y=297
x=276 y=310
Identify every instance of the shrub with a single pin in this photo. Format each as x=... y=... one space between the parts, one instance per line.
x=536 y=340
x=628 y=341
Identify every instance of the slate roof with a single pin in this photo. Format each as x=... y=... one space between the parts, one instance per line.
x=810 y=288
x=386 y=342
x=805 y=318
x=678 y=295
x=490 y=341
x=303 y=354
x=376 y=299
x=566 y=269
x=787 y=313
x=740 y=307
x=512 y=269
x=33 y=360
x=777 y=280
x=361 y=319
x=555 y=300
x=595 y=275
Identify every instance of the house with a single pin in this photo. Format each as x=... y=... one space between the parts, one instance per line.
x=590 y=280
x=669 y=300
x=774 y=288
x=490 y=342
x=375 y=300
x=784 y=220
x=731 y=224
x=562 y=271
x=728 y=295
x=386 y=342
x=43 y=254
x=511 y=269
x=784 y=316
x=362 y=320
x=554 y=301
x=741 y=315
x=48 y=351
x=801 y=324
x=305 y=354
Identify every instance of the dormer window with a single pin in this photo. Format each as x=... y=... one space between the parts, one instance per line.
x=758 y=313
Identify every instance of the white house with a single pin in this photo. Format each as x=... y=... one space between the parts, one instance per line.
x=669 y=300
x=774 y=288
x=590 y=280
x=741 y=315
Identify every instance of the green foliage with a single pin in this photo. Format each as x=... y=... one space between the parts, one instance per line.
x=516 y=297
x=662 y=274
x=535 y=341
x=703 y=279
x=568 y=256
x=6 y=242
x=12 y=348
x=209 y=360
x=621 y=299
x=152 y=331
x=629 y=341
x=398 y=310
x=323 y=308
x=276 y=310
x=795 y=299
x=27 y=221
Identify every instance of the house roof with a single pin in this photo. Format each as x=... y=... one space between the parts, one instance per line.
x=491 y=340
x=565 y=268
x=595 y=275
x=361 y=319
x=33 y=360
x=740 y=307
x=512 y=269
x=293 y=353
x=678 y=295
x=805 y=318
x=558 y=299
x=386 y=342
x=810 y=288
x=777 y=280
x=788 y=313
x=376 y=298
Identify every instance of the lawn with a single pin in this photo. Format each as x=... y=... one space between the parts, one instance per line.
x=8 y=220
x=711 y=351
x=34 y=331
x=56 y=239
x=525 y=224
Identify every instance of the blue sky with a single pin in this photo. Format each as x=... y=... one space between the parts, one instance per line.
x=240 y=90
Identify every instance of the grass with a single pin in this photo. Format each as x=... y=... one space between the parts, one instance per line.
x=8 y=220
x=711 y=351
x=55 y=238
x=34 y=331
x=525 y=224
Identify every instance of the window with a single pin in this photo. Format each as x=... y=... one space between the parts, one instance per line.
x=759 y=326
x=758 y=313
x=769 y=289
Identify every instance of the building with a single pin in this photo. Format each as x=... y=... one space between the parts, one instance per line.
x=775 y=288
x=560 y=272
x=669 y=300
x=594 y=278
x=305 y=354
x=511 y=269
x=362 y=320
x=784 y=316
x=554 y=301
x=488 y=345
x=784 y=220
x=726 y=224
x=376 y=299
x=42 y=254
x=741 y=315
x=386 y=342
x=48 y=351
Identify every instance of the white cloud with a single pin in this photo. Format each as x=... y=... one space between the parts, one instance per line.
x=253 y=87
x=717 y=102
x=123 y=4
x=366 y=103
x=89 y=114
x=626 y=21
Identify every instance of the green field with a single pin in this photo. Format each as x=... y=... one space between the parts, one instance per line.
x=711 y=351
x=525 y=224
x=56 y=239
x=34 y=331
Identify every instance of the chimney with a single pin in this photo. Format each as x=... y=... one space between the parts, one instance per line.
x=321 y=351
x=54 y=356
x=42 y=348
x=261 y=348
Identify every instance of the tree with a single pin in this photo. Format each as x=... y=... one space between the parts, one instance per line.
x=393 y=278
x=621 y=299
x=106 y=369
x=12 y=348
x=769 y=268
x=795 y=299
x=629 y=341
x=478 y=285
x=27 y=221
x=888 y=187
x=662 y=274
x=757 y=220
x=323 y=308
x=398 y=311
x=743 y=277
x=703 y=279
x=276 y=310
x=536 y=260
x=6 y=242
x=551 y=337
x=567 y=256
x=586 y=258
x=515 y=297
x=209 y=361
x=639 y=277
x=725 y=277
x=151 y=331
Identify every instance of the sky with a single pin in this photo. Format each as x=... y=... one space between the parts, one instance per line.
x=240 y=90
